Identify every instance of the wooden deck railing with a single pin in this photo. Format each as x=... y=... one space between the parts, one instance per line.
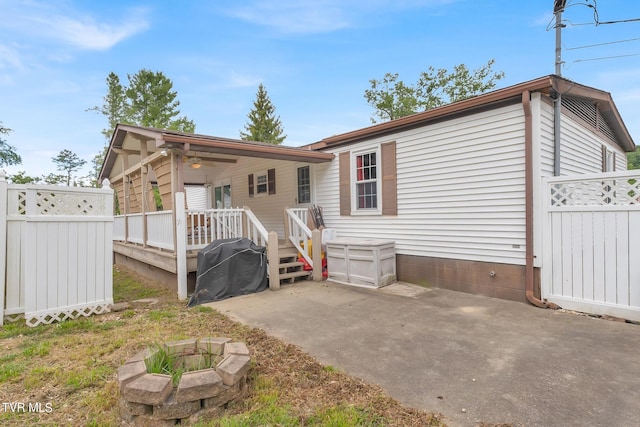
x=197 y=228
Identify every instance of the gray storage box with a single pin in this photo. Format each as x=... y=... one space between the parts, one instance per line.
x=361 y=262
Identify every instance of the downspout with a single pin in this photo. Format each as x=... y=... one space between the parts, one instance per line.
x=557 y=109
x=528 y=177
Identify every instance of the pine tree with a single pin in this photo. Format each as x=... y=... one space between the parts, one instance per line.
x=263 y=125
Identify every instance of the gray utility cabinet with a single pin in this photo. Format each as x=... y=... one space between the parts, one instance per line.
x=361 y=262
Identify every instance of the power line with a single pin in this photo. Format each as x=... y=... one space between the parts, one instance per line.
x=605 y=57
x=618 y=22
x=601 y=44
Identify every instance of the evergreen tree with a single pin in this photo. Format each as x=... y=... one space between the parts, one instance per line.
x=149 y=100
x=263 y=125
x=153 y=103
x=67 y=162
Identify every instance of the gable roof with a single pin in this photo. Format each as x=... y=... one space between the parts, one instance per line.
x=549 y=85
x=168 y=139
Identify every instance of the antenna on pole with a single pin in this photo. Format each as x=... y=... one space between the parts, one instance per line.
x=558 y=7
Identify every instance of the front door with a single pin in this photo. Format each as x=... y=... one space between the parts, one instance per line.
x=222 y=195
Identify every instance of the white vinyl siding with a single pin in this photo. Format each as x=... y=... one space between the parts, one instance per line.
x=460 y=187
x=581 y=149
x=268 y=208
x=546 y=135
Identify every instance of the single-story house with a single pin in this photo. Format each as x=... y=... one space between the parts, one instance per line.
x=457 y=188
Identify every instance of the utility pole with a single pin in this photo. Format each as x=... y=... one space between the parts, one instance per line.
x=558 y=7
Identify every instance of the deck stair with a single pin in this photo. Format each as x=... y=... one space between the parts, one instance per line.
x=289 y=267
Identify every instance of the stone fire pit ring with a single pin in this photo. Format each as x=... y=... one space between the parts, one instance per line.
x=216 y=375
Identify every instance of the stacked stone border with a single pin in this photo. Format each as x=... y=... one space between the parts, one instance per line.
x=151 y=399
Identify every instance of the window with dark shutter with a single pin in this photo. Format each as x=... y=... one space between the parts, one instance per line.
x=345 y=183
x=389 y=179
x=271 y=181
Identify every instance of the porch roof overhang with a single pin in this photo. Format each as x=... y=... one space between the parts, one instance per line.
x=548 y=85
x=161 y=139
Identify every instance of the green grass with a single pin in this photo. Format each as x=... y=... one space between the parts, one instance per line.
x=40 y=348
x=265 y=408
x=159 y=315
x=11 y=370
x=39 y=375
x=127 y=288
x=87 y=377
x=165 y=362
x=346 y=416
x=15 y=329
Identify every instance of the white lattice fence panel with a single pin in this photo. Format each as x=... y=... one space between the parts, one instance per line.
x=67 y=251
x=57 y=202
x=603 y=191
x=60 y=315
x=590 y=243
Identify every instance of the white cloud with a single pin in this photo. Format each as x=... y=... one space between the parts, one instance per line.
x=9 y=57
x=321 y=16
x=86 y=33
x=296 y=17
x=55 y=22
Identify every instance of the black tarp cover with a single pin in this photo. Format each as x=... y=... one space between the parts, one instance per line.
x=228 y=268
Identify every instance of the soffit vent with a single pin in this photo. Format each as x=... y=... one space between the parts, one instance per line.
x=588 y=112
x=581 y=108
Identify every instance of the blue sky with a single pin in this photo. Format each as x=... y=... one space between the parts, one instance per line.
x=315 y=58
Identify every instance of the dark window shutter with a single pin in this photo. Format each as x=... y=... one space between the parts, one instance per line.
x=345 y=183
x=250 y=185
x=389 y=179
x=271 y=181
x=604 y=158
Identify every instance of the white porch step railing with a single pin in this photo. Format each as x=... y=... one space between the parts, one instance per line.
x=299 y=234
x=255 y=229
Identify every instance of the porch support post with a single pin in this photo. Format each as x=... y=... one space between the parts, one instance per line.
x=125 y=190
x=316 y=254
x=274 y=261
x=145 y=206
x=181 y=245
x=3 y=242
x=287 y=231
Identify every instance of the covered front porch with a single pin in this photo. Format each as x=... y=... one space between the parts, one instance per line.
x=176 y=193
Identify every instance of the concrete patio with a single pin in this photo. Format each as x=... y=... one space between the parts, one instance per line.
x=472 y=358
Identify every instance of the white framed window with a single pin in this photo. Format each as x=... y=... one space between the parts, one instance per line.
x=366 y=179
x=609 y=161
x=262 y=183
x=304 y=184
